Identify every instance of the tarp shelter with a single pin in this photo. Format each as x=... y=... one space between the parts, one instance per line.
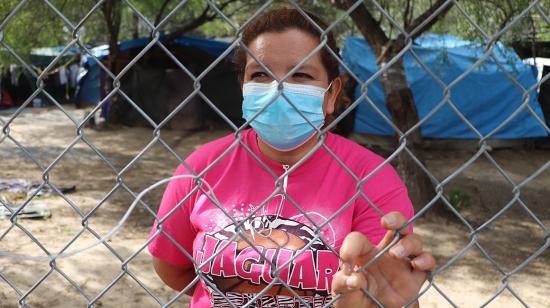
x=60 y=81
x=42 y=57
x=486 y=97
x=16 y=85
x=543 y=68
x=157 y=84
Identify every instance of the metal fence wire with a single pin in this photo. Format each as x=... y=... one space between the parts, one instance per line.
x=115 y=88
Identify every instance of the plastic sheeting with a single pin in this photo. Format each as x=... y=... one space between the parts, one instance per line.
x=486 y=96
x=44 y=56
x=210 y=46
x=89 y=92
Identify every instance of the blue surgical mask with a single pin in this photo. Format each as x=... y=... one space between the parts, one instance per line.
x=280 y=125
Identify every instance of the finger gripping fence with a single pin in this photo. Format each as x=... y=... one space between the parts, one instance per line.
x=91 y=247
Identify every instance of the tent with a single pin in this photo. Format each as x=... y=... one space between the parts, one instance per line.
x=17 y=84
x=486 y=97
x=157 y=85
x=44 y=56
x=60 y=82
x=543 y=68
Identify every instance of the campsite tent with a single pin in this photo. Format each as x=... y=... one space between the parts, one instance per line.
x=60 y=81
x=44 y=56
x=89 y=92
x=17 y=84
x=157 y=85
x=543 y=68
x=486 y=97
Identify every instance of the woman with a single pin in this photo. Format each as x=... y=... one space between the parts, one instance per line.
x=255 y=238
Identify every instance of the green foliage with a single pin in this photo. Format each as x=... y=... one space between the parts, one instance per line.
x=459 y=200
x=37 y=25
x=492 y=16
x=22 y=35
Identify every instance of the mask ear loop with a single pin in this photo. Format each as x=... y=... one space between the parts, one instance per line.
x=328 y=87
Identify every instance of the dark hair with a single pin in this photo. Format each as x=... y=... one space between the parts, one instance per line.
x=279 y=20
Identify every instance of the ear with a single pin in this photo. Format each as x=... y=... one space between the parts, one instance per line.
x=331 y=96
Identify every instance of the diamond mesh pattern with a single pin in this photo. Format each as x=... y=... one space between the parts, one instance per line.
x=47 y=260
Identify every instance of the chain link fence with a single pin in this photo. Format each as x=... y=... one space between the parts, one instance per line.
x=80 y=243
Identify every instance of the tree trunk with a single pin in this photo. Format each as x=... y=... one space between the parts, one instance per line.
x=135 y=26
x=400 y=103
x=112 y=14
x=399 y=97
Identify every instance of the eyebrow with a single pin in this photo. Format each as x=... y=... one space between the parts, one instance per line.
x=305 y=67
x=255 y=65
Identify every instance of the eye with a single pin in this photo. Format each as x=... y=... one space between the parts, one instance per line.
x=300 y=75
x=258 y=75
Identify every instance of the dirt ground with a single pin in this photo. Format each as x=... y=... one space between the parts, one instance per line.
x=469 y=282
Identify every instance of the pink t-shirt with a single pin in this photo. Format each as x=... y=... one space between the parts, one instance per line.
x=238 y=265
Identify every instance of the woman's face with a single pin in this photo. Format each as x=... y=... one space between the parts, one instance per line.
x=281 y=52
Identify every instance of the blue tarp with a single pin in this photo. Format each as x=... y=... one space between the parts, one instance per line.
x=89 y=87
x=212 y=47
x=486 y=97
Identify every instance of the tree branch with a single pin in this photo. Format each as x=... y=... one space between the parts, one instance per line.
x=203 y=18
x=189 y=26
x=406 y=14
x=418 y=24
x=248 y=4
x=366 y=24
x=221 y=8
x=161 y=12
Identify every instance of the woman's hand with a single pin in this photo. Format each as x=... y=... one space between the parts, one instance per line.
x=394 y=279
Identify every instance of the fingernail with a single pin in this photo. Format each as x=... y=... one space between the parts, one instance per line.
x=398 y=251
x=346 y=268
x=390 y=220
x=352 y=282
x=418 y=263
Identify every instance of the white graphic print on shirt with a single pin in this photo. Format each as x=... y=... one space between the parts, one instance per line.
x=237 y=272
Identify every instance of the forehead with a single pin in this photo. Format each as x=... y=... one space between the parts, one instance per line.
x=289 y=47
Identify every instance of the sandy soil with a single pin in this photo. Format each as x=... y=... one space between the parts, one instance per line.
x=470 y=281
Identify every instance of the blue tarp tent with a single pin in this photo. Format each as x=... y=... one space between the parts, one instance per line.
x=89 y=86
x=486 y=97
x=44 y=56
x=56 y=86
